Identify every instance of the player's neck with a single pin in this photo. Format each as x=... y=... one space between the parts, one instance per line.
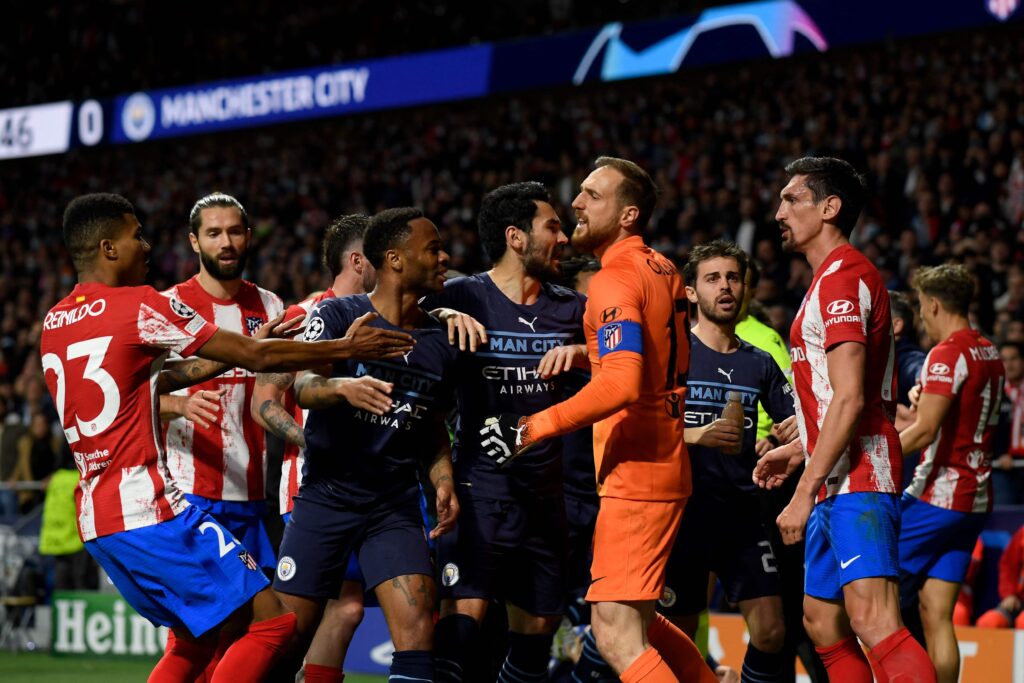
x=100 y=277
x=398 y=306
x=512 y=280
x=818 y=249
x=219 y=289
x=717 y=337
x=951 y=324
x=347 y=284
x=623 y=234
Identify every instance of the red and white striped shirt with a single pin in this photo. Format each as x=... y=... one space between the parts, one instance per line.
x=1015 y=396
x=294 y=457
x=224 y=461
x=102 y=349
x=848 y=302
x=955 y=468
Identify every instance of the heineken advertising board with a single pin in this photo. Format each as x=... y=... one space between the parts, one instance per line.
x=86 y=623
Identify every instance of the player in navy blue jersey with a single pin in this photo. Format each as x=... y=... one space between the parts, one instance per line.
x=360 y=491
x=724 y=495
x=510 y=541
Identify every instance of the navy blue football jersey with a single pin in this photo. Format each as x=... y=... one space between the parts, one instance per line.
x=365 y=457
x=580 y=479
x=503 y=378
x=757 y=377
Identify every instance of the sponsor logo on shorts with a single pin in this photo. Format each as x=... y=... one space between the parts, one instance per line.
x=286 y=569
x=612 y=336
x=668 y=597
x=450 y=575
x=843 y=564
x=672 y=405
x=248 y=560
x=182 y=309
x=314 y=329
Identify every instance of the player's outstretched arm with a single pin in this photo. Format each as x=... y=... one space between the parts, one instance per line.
x=441 y=478
x=847 y=363
x=267 y=407
x=361 y=342
x=315 y=389
x=931 y=411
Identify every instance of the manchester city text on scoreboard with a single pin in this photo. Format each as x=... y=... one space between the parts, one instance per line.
x=615 y=51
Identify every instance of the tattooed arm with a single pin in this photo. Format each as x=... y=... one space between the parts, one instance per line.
x=179 y=374
x=268 y=410
x=440 y=473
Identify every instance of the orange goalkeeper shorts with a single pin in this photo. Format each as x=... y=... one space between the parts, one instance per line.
x=632 y=542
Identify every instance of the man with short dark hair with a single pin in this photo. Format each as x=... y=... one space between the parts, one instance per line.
x=844 y=372
x=722 y=458
x=274 y=408
x=1008 y=467
x=103 y=347
x=510 y=541
x=364 y=450
x=947 y=503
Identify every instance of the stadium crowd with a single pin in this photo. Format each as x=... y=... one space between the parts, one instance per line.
x=938 y=127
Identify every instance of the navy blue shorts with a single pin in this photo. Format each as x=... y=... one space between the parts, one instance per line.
x=724 y=537
x=581 y=515
x=352 y=570
x=323 y=532
x=934 y=543
x=849 y=537
x=188 y=571
x=513 y=551
x=244 y=519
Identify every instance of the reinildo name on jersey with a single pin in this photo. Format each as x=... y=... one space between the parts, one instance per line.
x=57 y=319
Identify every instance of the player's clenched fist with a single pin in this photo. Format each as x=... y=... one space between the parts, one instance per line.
x=372 y=342
x=504 y=437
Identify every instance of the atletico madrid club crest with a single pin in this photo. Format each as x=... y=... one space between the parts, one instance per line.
x=248 y=560
x=612 y=336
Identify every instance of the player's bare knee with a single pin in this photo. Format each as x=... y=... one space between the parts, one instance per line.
x=768 y=636
x=414 y=631
x=345 y=613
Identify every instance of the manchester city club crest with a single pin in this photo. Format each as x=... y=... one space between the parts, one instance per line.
x=450 y=575
x=668 y=597
x=286 y=568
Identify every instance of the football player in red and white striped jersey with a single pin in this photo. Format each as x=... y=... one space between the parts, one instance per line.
x=955 y=415
x=843 y=368
x=103 y=347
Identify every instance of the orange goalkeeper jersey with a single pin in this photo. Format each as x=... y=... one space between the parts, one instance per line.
x=638 y=343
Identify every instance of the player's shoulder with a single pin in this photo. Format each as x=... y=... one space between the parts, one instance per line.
x=351 y=305
x=269 y=299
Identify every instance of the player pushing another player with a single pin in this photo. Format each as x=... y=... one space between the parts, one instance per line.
x=102 y=348
x=637 y=337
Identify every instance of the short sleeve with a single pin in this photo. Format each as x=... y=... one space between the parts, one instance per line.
x=329 y=319
x=944 y=371
x=615 y=299
x=166 y=322
x=777 y=392
x=845 y=308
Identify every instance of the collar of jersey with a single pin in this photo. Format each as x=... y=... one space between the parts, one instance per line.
x=632 y=242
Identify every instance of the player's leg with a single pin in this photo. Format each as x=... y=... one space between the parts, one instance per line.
x=334 y=634
x=271 y=632
x=529 y=645
x=763 y=659
x=534 y=581
x=469 y=564
x=825 y=619
x=938 y=598
x=408 y=605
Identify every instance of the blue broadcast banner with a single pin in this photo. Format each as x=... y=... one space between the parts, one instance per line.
x=405 y=81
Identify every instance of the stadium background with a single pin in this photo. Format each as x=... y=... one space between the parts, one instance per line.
x=929 y=104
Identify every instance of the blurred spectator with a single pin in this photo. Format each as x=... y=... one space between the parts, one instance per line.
x=11 y=431
x=1008 y=465
x=74 y=568
x=909 y=355
x=37 y=458
x=1008 y=612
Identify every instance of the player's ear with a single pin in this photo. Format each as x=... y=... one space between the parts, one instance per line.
x=830 y=207
x=514 y=238
x=194 y=241
x=628 y=217
x=691 y=294
x=393 y=259
x=108 y=249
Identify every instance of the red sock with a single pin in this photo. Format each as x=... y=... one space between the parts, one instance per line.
x=250 y=657
x=678 y=651
x=649 y=668
x=182 y=662
x=317 y=673
x=845 y=662
x=901 y=659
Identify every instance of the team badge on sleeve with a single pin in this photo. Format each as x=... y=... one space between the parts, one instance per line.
x=611 y=335
x=181 y=308
x=314 y=329
x=625 y=335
